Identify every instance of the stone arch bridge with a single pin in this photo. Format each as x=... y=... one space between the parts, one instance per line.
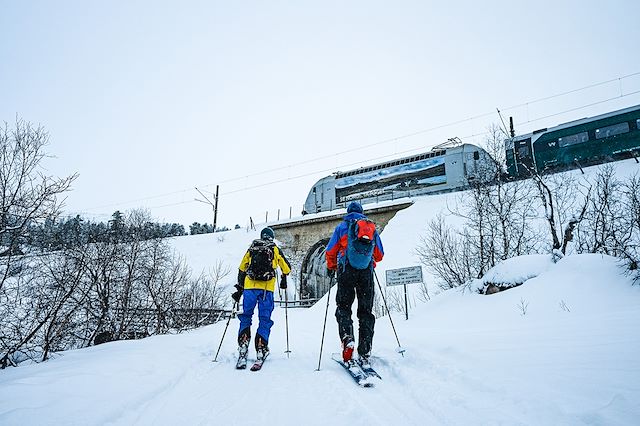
x=304 y=242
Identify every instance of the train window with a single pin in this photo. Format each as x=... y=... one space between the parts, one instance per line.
x=638 y=124
x=616 y=129
x=573 y=139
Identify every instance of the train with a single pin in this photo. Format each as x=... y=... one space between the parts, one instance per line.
x=576 y=144
x=453 y=165
x=446 y=167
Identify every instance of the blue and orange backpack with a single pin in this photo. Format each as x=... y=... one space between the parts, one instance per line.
x=361 y=242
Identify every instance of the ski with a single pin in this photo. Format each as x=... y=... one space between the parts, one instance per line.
x=355 y=371
x=257 y=365
x=242 y=363
x=368 y=369
x=261 y=358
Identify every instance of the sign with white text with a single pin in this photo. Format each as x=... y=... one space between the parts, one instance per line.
x=409 y=275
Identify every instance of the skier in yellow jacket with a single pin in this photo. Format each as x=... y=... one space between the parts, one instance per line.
x=256 y=282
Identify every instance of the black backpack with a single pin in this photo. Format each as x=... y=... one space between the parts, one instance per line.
x=261 y=266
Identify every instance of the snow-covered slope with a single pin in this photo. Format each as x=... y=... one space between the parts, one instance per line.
x=560 y=349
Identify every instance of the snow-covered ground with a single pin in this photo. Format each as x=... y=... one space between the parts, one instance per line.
x=561 y=349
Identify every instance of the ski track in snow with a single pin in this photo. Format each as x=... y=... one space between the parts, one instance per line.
x=568 y=368
x=572 y=359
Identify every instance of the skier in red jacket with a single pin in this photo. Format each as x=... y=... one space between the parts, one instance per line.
x=354 y=278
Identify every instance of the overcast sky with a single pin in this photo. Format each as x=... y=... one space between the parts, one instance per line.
x=147 y=100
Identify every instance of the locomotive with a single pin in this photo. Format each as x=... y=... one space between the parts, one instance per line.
x=447 y=167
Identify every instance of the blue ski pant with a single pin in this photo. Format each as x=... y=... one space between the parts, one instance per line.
x=264 y=300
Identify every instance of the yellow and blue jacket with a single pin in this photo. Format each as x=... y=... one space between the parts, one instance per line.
x=278 y=261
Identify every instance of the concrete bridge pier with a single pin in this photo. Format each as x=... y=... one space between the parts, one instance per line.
x=304 y=242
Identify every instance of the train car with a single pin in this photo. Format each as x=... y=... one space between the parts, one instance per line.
x=585 y=142
x=447 y=167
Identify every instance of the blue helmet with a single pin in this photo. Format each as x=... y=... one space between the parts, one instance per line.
x=355 y=206
x=267 y=234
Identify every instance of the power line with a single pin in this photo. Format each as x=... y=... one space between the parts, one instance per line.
x=408 y=135
x=273 y=182
x=591 y=86
x=414 y=149
x=152 y=197
x=581 y=107
x=383 y=142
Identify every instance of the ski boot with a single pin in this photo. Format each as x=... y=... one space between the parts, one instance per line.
x=262 y=350
x=348 y=345
x=243 y=350
x=365 y=362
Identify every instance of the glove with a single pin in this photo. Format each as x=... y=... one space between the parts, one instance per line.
x=283 y=282
x=237 y=294
x=331 y=273
x=241 y=276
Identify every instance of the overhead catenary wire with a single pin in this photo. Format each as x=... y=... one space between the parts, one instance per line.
x=369 y=160
x=348 y=165
x=438 y=127
x=382 y=142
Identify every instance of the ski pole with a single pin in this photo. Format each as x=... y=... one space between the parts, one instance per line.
x=400 y=350
x=233 y=311
x=286 y=319
x=324 y=326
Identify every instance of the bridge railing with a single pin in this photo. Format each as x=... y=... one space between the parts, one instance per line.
x=142 y=322
x=305 y=303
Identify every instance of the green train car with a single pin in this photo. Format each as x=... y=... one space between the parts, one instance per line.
x=585 y=142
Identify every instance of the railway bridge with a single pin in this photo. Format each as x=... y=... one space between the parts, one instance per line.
x=305 y=240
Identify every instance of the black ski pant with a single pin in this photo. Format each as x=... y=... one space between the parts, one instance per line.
x=352 y=282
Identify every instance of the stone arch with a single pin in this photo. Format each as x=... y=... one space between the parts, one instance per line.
x=314 y=282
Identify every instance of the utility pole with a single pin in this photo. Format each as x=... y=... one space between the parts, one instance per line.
x=213 y=205
x=215 y=209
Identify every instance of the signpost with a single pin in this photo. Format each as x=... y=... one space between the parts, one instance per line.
x=404 y=276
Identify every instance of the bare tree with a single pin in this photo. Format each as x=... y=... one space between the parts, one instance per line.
x=612 y=220
x=65 y=297
x=100 y=271
x=447 y=254
x=45 y=299
x=607 y=228
x=127 y=286
x=564 y=202
x=202 y=299
x=27 y=194
x=497 y=222
x=21 y=322
x=631 y=244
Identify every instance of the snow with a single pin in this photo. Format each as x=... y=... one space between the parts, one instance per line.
x=560 y=349
x=515 y=271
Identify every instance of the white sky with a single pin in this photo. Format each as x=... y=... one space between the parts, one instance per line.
x=141 y=98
